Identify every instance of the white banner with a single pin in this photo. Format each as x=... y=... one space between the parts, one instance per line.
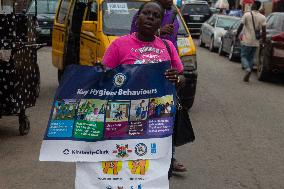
x=110 y=150
x=139 y=174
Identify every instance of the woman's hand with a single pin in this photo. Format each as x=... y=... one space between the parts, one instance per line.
x=172 y=75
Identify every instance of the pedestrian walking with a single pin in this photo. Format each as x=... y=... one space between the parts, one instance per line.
x=253 y=28
x=168 y=30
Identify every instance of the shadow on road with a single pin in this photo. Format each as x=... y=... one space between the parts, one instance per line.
x=9 y=132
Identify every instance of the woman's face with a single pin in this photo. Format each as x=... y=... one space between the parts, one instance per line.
x=149 y=19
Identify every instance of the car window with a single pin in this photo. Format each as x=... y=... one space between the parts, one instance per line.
x=63 y=10
x=212 y=20
x=280 y=23
x=43 y=7
x=236 y=25
x=181 y=29
x=196 y=9
x=270 y=22
x=225 y=22
x=118 y=15
x=274 y=24
x=93 y=12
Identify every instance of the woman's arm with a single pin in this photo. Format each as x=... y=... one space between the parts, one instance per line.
x=175 y=73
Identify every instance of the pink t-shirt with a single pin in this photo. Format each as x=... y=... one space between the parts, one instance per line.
x=130 y=50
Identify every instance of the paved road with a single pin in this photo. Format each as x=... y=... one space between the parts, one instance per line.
x=239 y=129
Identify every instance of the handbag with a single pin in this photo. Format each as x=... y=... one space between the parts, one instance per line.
x=183 y=131
x=257 y=32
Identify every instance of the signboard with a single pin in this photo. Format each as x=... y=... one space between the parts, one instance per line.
x=122 y=114
x=118 y=8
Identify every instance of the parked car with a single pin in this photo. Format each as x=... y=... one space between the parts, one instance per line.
x=45 y=12
x=213 y=29
x=230 y=44
x=271 y=53
x=195 y=14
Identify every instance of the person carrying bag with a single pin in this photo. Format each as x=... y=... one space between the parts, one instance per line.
x=253 y=28
x=256 y=31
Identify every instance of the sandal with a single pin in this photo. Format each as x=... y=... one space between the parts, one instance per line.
x=178 y=167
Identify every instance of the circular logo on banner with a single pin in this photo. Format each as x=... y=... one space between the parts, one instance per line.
x=119 y=79
x=141 y=149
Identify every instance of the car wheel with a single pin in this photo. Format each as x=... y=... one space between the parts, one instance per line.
x=220 y=50
x=211 y=46
x=231 y=54
x=262 y=66
x=200 y=42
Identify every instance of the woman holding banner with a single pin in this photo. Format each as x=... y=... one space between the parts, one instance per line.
x=141 y=47
x=129 y=49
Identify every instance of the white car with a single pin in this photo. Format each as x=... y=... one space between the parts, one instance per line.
x=214 y=28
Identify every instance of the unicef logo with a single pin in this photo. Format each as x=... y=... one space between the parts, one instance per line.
x=141 y=149
x=119 y=79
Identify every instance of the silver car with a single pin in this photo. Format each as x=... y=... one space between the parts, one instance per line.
x=214 y=28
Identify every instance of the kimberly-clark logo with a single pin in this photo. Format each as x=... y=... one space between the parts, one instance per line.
x=66 y=151
x=119 y=79
x=82 y=152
